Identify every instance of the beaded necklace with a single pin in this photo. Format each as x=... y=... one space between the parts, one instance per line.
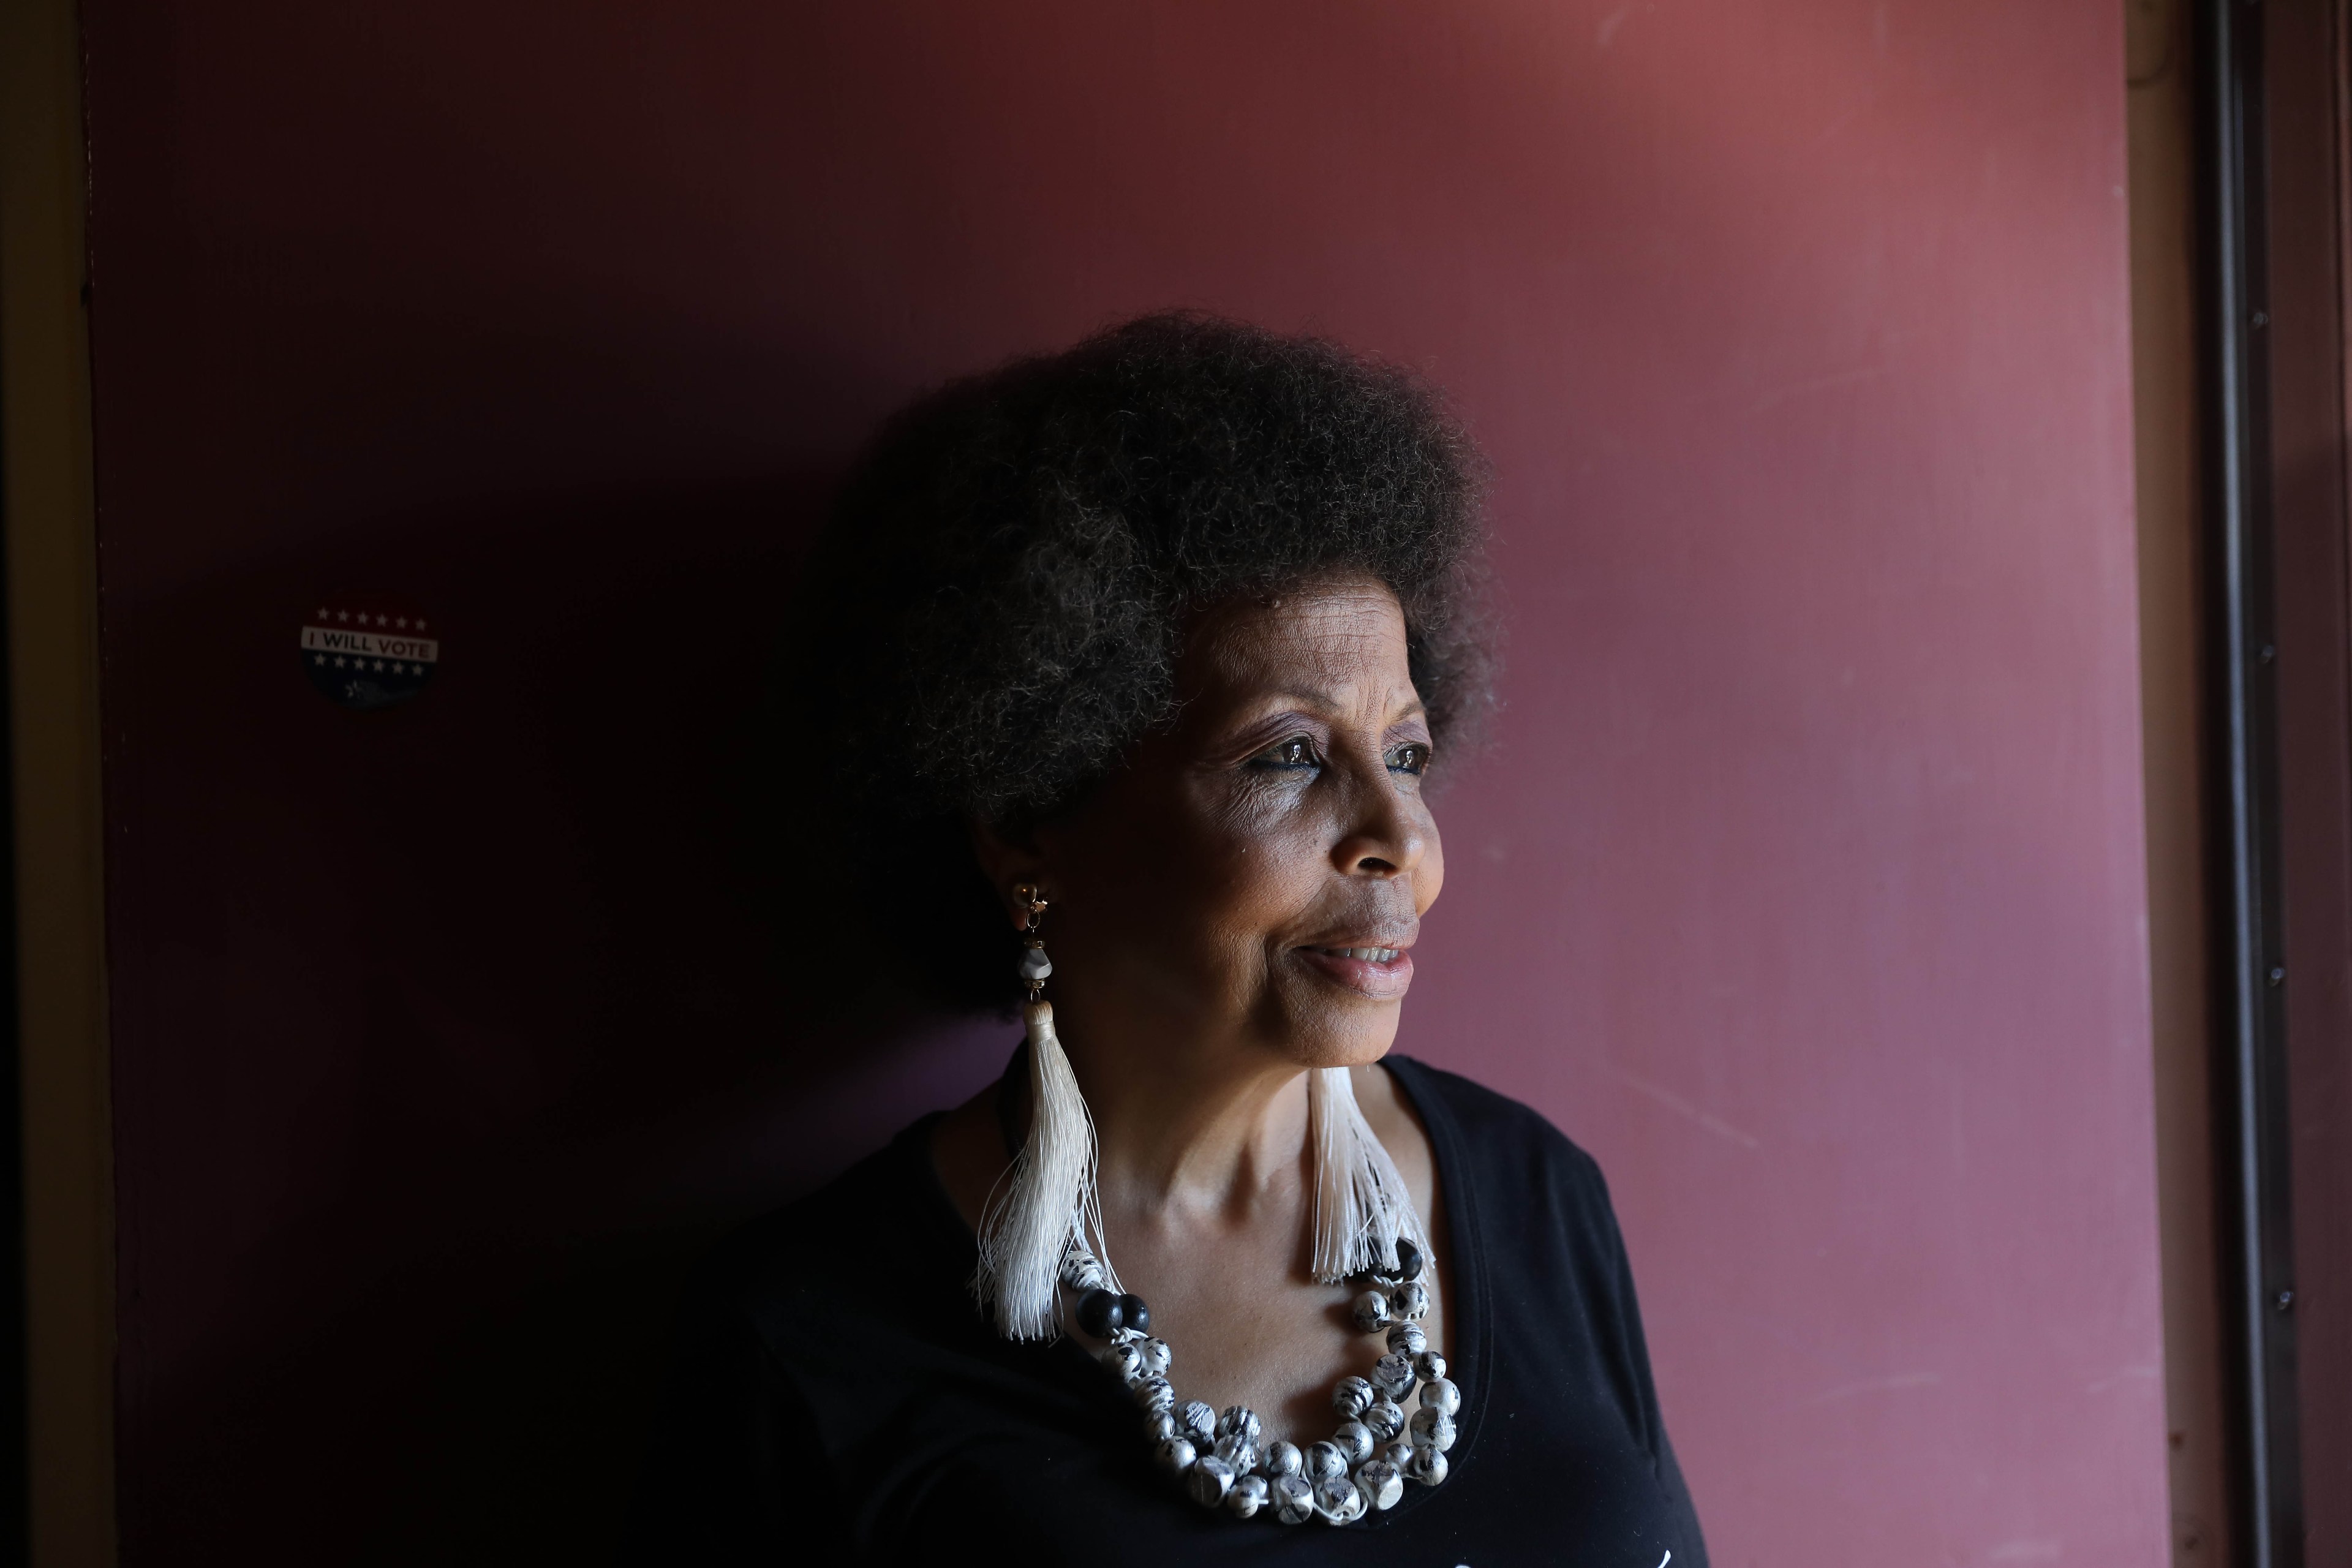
x=1224 y=1461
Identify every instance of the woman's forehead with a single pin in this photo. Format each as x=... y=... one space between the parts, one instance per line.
x=1317 y=642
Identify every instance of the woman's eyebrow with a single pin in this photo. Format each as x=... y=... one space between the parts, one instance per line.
x=1322 y=700
x=1324 y=703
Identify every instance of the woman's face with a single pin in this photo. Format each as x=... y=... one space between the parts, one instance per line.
x=1254 y=878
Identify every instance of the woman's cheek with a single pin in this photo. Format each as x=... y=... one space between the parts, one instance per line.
x=1254 y=829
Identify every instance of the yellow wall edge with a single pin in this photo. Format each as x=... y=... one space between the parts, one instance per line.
x=52 y=608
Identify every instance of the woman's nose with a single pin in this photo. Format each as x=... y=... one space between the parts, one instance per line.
x=1390 y=837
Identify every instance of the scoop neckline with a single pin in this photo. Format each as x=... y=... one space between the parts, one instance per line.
x=1468 y=1254
x=1466 y=1246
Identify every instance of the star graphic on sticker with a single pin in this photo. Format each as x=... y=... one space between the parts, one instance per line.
x=318 y=658
x=339 y=664
x=420 y=623
x=382 y=622
x=379 y=664
x=343 y=615
x=322 y=614
x=400 y=620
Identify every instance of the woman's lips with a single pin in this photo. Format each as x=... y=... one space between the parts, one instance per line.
x=1380 y=972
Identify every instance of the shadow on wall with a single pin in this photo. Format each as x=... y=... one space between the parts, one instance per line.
x=514 y=1024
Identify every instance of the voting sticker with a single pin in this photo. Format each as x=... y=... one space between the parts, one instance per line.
x=366 y=655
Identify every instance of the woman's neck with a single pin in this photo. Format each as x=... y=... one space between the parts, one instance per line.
x=1190 y=1129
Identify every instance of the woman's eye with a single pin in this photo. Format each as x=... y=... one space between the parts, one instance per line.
x=1298 y=751
x=1409 y=758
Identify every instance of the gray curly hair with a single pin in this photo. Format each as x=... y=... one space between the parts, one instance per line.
x=997 y=605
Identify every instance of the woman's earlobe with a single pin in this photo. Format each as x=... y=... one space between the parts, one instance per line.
x=1012 y=869
x=1026 y=902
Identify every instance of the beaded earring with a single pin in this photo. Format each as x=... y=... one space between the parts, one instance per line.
x=1049 y=1200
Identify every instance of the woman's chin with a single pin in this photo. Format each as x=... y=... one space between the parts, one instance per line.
x=1359 y=1055
x=1344 y=1037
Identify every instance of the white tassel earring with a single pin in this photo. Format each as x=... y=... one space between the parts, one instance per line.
x=1362 y=1207
x=1045 y=1211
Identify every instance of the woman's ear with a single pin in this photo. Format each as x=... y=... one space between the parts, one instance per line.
x=1008 y=861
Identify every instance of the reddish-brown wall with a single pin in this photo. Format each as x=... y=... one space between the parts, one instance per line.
x=1805 y=886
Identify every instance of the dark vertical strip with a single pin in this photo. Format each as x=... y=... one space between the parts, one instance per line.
x=2259 y=1215
x=2305 y=386
x=15 y=1424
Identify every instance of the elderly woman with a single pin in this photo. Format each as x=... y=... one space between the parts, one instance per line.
x=1139 y=662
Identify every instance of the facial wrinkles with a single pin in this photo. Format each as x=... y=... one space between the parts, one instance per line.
x=1332 y=673
x=1202 y=874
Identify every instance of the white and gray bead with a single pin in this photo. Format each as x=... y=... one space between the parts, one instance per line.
x=1338 y=1501
x=1210 y=1478
x=1293 y=1500
x=1125 y=1360
x=1280 y=1459
x=1427 y=1466
x=1248 y=1496
x=1238 y=1451
x=1175 y=1456
x=1406 y=1339
x=1240 y=1421
x=1324 y=1460
x=1156 y=1357
x=1392 y=1375
x=1198 y=1422
x=1154 y=1393
x=1429 y=1367
x=1354 y=1441
x=1432 y=1429
x=1382 y=1482
x=1384 y=1420
x=1373 y=1312
x=1410 y=1301
x=1082 y=1272
x=1439 y=1395
x=1035 y=964
x=1351 y=1397
x=1159 y=1426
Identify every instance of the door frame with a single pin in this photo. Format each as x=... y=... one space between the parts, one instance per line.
x=56 y=893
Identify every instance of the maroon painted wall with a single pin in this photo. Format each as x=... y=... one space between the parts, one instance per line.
x=1805 y=886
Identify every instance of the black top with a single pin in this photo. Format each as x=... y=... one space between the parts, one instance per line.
x=839 y=1399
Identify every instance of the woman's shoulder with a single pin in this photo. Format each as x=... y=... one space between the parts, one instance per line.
x=1488 y=1117
x=881 y=1223
x=1502 y=1141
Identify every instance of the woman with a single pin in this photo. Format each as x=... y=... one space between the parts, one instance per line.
x=1136 y=663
